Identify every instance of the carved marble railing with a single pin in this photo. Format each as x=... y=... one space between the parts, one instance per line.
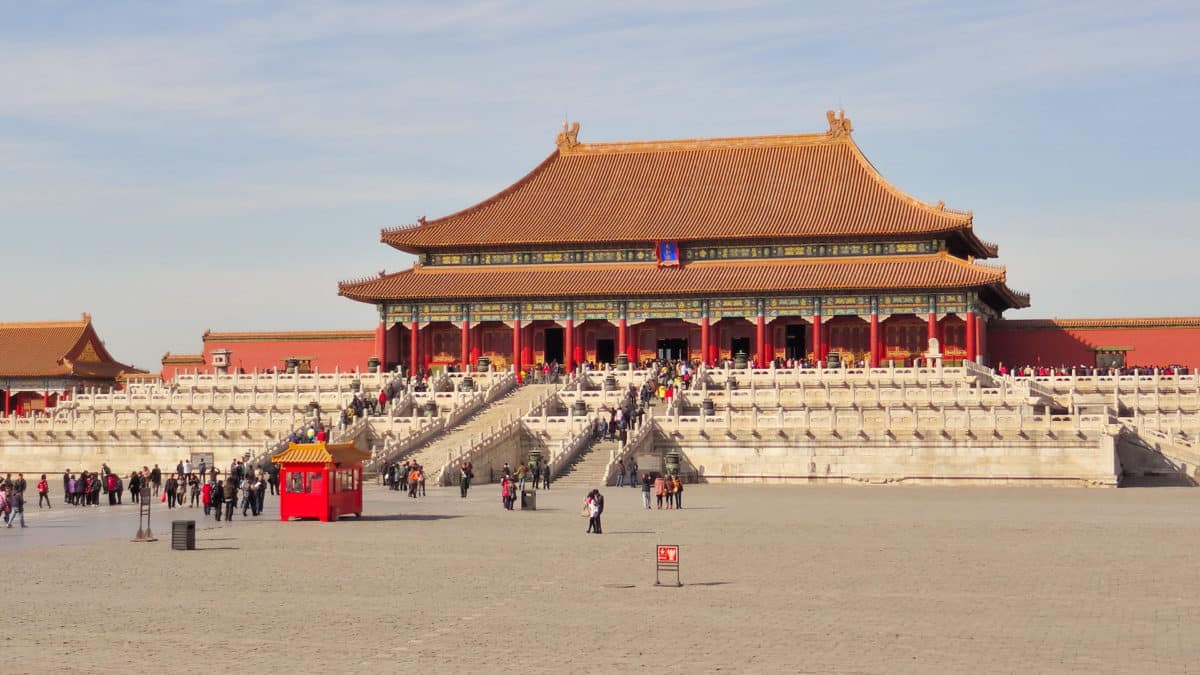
x=890 y=421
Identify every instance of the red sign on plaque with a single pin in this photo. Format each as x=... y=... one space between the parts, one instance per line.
x=666 y=560
x=668 y=554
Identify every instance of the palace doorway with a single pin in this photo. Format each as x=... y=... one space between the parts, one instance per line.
x=554 y=346
x=739 y=345
x=606 y=351
x=672 y=350
x=793 y=338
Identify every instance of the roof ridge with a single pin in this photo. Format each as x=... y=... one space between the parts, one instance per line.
x=423 y=223
x=967 y=217
x=700 y=143
x=44 y=324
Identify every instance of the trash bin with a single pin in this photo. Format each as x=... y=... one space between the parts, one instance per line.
x=528 y=500
x=183 y=535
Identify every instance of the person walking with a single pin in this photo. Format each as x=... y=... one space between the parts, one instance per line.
x=229 y=496
x=546 y=476
x=110 y=486
x=67 y=486
x=620 y=473
x=633 y=473
x=258 y=492
x=646 y=490
x=16 y=506
x=506 y=493
x=206 y=497
x=216 y=496
x=678 y=491
x=172 y=484
x=659 y=488
x=595 y=505
x=43 y=488
x=464 y=479
x=244 y=486
x=194 y=491
x=155 y=480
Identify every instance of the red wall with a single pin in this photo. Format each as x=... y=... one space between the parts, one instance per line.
x=1039 y=342
x=326 y=354
x=264 y=351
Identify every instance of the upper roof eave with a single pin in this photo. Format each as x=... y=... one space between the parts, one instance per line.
x=449 y=232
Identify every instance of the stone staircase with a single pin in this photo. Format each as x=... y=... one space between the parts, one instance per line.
x=433 y=454
x=588 y=467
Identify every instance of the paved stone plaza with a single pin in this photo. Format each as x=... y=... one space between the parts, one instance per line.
x=808 y=579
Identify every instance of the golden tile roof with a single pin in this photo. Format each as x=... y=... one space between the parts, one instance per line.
x=56 y=349
x=938 y=270
x=758 y=187
x=342 y=454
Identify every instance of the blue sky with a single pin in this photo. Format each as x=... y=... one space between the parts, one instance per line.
x=173 y=167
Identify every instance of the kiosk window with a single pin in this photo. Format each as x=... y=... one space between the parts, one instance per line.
x=295 y=482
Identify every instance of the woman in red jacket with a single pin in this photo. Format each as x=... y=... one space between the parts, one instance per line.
x=43 y=489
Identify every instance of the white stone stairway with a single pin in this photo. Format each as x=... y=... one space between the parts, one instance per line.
x=588 y=468
x=433 y=454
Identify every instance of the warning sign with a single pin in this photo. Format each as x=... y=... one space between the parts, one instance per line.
x=668 y=554
x=666 y=560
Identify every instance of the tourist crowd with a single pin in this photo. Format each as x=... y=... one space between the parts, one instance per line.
x=1084 y=370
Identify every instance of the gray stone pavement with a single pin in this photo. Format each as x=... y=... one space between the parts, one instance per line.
x=776 y=579
x=63 y=524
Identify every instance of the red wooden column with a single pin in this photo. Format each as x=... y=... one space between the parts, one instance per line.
x=464 y=349
x=516 y=347
x=622 y=337
x=569 y=346
x=7 y=401
x=705 y=341
x=414 y=336
x=816 y=331
x=971 y=344
x=981 y=338
x=874 y=359
x=381 y=345
x=931 y=324
x=760 y=341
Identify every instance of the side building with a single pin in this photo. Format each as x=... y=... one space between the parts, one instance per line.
x=41 y=361
x=766 y=247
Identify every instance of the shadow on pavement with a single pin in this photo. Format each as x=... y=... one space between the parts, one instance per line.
x=398 y=516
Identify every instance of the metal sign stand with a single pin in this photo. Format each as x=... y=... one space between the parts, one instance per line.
x=666 y=560
x=144 y=535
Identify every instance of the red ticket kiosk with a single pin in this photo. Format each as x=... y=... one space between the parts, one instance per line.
x=320 y=480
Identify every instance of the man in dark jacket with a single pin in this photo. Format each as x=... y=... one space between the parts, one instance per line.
x=172 y=486
x=230 y=491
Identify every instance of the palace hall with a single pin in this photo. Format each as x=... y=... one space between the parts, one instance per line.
x=789 y=247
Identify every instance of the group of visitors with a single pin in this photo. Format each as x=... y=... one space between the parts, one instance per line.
x=222 y=497
x=514 y=481
x=12 y=498
x=405 y=476
x=667 y=488
x=1084 y=370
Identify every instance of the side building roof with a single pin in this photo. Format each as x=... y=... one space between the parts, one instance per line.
x=56 y=349
x=745 y=188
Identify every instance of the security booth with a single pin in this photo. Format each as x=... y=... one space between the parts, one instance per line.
x=320 y=480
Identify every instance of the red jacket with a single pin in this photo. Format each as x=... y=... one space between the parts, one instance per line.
x=43 y=486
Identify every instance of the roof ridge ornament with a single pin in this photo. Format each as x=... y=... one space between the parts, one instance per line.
x=839 y=124
x=568 y=138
